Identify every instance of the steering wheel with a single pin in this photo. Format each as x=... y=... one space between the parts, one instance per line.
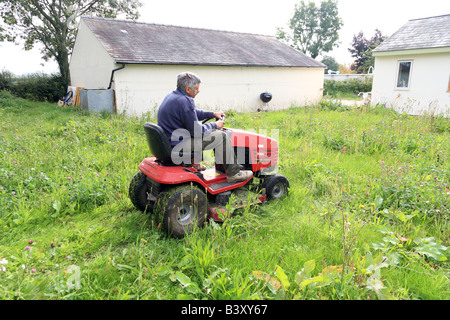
x=206 y=120
x=223 y=119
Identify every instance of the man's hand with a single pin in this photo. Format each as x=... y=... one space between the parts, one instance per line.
x=220 y=124
x=219 y=114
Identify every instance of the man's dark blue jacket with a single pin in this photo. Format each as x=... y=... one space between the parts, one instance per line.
x=178 y=111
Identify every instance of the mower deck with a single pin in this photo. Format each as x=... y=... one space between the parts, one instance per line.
x=241 y=198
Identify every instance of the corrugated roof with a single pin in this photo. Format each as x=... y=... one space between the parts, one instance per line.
x=145 y=43
x=432 y=32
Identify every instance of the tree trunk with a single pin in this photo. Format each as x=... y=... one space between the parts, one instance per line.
x=63 y=63
x=62 y=52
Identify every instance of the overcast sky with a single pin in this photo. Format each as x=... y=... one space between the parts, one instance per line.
x=253 y=16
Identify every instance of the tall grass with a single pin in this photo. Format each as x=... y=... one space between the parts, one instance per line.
x=366 y=217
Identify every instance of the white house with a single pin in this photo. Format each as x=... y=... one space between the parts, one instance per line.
x=412 y=68
x=139 y=62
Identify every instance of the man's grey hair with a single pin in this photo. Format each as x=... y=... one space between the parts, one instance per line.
x=187 y=79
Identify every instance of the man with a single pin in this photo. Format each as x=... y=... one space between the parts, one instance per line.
x=179 y=118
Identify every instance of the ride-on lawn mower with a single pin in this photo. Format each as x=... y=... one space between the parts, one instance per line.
x=182 y=198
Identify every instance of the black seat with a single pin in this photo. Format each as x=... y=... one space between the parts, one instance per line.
x=160 y=146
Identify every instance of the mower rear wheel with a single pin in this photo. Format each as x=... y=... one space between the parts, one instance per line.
x=181 y=209
x=139 y=193
x=276 y=186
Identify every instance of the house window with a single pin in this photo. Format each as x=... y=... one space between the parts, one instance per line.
x=404 y=74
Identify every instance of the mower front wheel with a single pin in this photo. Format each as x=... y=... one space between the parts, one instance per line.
x=181 y=209
x=139 y=193
x=276 y=186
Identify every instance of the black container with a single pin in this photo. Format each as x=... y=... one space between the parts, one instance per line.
x=265 y=97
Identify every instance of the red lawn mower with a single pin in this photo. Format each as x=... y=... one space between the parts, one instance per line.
x=182 y=198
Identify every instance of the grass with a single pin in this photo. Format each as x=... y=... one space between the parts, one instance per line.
x=366 y=218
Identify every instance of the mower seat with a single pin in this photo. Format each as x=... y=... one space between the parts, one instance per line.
x=160 y=146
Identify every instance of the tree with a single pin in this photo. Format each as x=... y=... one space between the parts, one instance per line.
x=313 y=29
x=345 y=69
x=359 y=45
x=53 y=24
x=362 y=49
x=331 y=63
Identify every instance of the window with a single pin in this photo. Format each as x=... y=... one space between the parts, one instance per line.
x=404 y=74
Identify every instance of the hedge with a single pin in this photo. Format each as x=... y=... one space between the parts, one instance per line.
x=350 y=86
x=35 y=87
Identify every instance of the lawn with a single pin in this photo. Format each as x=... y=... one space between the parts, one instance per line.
x=366 y=217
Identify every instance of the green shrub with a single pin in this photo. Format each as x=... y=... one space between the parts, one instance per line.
x=7 y=99
x=39 y=87
x=35 y=87
x=6 y=80
x=350 y=86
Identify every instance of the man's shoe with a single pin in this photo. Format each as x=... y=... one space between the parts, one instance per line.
x=199 y=167
x=242 y=175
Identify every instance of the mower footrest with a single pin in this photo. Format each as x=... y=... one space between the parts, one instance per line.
x=222 y=185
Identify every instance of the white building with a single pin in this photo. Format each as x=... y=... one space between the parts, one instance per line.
x=140 y=62
x=412 y=68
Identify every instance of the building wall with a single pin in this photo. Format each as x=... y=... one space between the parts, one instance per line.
x=429 y=91
x=142 y=88
x=90 y=64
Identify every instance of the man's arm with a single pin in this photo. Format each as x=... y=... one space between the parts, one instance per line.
x=191 y=123
x=204 y=115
